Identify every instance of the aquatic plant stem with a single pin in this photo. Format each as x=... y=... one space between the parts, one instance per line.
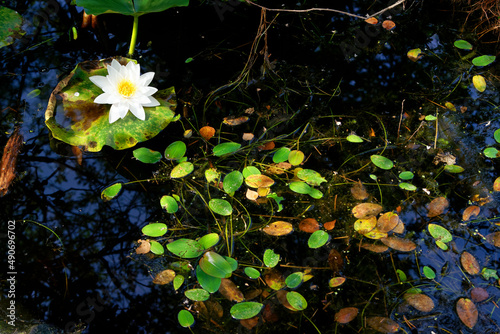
x=133 y=39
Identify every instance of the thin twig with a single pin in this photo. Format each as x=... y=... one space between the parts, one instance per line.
x=325 y=10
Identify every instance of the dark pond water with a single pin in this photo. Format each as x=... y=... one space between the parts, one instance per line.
x=328 y=76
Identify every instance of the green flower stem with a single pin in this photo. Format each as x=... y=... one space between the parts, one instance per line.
x=134 y=36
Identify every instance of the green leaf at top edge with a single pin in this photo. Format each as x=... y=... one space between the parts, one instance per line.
x=127 y=7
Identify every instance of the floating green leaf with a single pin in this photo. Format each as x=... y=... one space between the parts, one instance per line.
x=406 y=175
x=430 y=118
x=250 y=170
x=318 y=239
x=483 y=60
x=453 y=169
x=226 y=148
x=381 y=162
x=402 y=275
x=146 y=155
x=10 y=26
x=111 y=192
x=232 y=262
x=296 y=157
x=281 y=155
x=127 y=7
x=207 y=282
x=488 y=273
x=198 y=295
x=155 y=229
x=429 y=273
x=491 y=152
x=185 y=248
x=74 y=118
x=354 y=139
x=461 y=44
x=232 y=182
x=35 y=92
x=296 y=300
x=246 y=310
x=185 y=318
x=156 y=248
x=271 y=259
x=294 y=280
x=178 y=280
x=176 y=150
x=414 y=54
x=252 y=272
x=304 y=188
x=311 y=177
x=440 y=234
x=407 y=186
x=220 y=206
x=209 y=240
x=215 y=265
x=212 y=175
x=169 y=203
x=277 y=199
x=181 y=170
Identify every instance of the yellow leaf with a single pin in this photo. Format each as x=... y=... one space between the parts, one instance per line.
x=479 y=83
x=414 y=54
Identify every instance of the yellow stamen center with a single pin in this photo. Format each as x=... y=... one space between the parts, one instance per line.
x=126 y=88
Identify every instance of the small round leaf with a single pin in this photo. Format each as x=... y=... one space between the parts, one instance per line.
x=220 y=206
x=175 y=151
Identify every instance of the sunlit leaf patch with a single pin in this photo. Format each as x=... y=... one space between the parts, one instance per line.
x=175 y=150
x=155 y=229
x=169 y=203
x=146 y=155
x=197 y=294
x=318 y=239
x=381 y=162
x=182 y=169
x=246 y=310
x=185 y=318
x=220 y=206
x=278 y=228
x=111 y=192
x=270 y=258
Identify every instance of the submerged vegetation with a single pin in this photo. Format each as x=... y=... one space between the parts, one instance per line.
x=302 y=196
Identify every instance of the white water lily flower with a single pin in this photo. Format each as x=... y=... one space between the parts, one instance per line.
x=125 y=89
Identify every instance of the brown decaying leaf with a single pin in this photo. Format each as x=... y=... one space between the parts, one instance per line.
x=281 y=295
x=309 y=225
x=371 y=20
x=164 y=277
x=374 y=247
x=258 y=181
x=9 y=160
x=330 y=225
x=337 y=281
x=479 y=294
x=437 y=206
x=494 y=239
x=365 y=210
x=471 y=211
x=388 y=25
x=278 y=228
x=358 y=191
x=249 y=295
x=400 y=228
x=469 y=263
x=209 y=309
x=402 y=245
x=345 y=315
x=279 y=168
x=144 y=246
x=496 y=184
x=387 y=222
x=467 y=312
x=249 y=323
x=382 y=324
x=335 y=261
x=77 y=152
x=252 y=194
x=233 y=121
x=269 y=314
x=207 y=132
x=248 y=136
x=267 y=146
x=419 y=301
x=274 y=279
x=230 y=291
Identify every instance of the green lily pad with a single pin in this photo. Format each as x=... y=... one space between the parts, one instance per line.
x=304 y=188
x=381 y=162
x=232 y=262
x=10 y=26
x=226 y=148
x=296 y=300
x=185 y=318
x=207 y=282
x=175 y=151
x=182 y=169
x=354 y=139
x=250 y=170
x=318 y=239
x=198 y=295
x=185 y=248
x=491 y=152
x=430 y=118
x=311 y=177
x=429 y=273
x=209 y=240
x=407 y=186
x=281 y=155
x=146 y=155
x=155 y=229
x=232 y=182
x=74 y=118
x=441 y=235
x=111 y=192
x=454 y=169
x=271 y=259
x=246 y=310
x=488 y=273
x=178 y=281
x=220 y=206
x=252 y=272
x=294 y=280
x=483 y=60
x=127 y=7
x=156 y=248
x=215 y=265
x=406 y=175
x=296 y=157
x=169 y=203
x=462 y=44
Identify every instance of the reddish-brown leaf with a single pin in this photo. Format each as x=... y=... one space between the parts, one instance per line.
x=437 y=206
x=365 y=210
x=358 y=191
x=387 y=222
x=267 y=146
x=144 y=246
x=207 y=132
x=494 y=239
x=496 y=184
x=467 y=312
x=9 y=160
x=374 y=247
x=164 y=277
x=471 y=211
x=345 y=315
x=402 y=245
x=309 y=225
x=330 y=225
x=249 y=323
x=382 y=324
x=371 y=20
x=479 y=294
x=469 y=263
x=230 y=291
x=420 y=301
x=278 y=228
x=388 y=25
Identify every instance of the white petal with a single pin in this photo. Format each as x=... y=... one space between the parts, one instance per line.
x=152 y=102
x=138 y=111
x=100 y=81
x=114 y=76
x=148 y=90
x=113 y=115
x=140 y=99
x=118 y=110
x=146 y=78
x=133 y=71
x=115 y=65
